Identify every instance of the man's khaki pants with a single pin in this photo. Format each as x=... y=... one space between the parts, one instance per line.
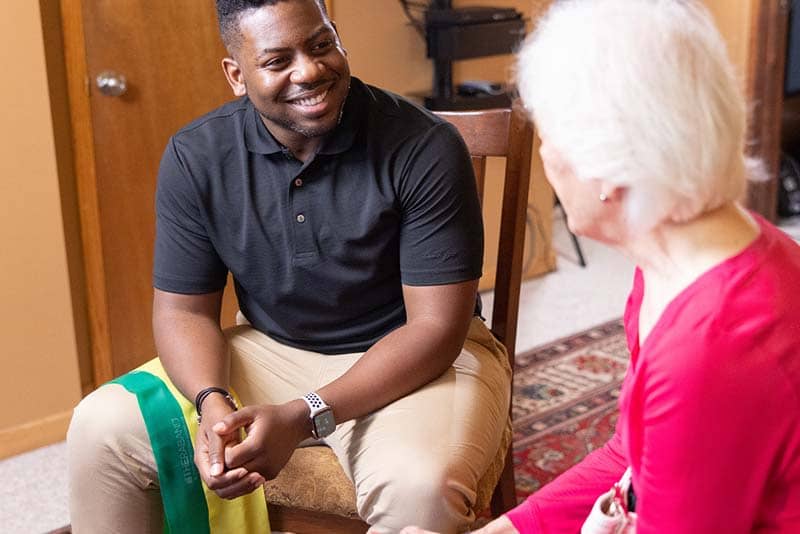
x=417 y=461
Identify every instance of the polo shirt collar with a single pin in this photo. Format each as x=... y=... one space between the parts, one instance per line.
x=259 y=140
x=256 y=136
x=342 y=137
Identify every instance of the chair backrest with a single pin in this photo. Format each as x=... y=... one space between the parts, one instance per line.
x=502 y=133
x=497 y=132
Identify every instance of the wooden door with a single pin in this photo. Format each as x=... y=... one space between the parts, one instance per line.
x=169 y=52
x=765 y=76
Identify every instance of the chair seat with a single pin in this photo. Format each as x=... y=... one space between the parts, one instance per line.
x=313 y=480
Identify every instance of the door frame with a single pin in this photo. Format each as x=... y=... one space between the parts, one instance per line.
x=765 y=77
x=79 y=94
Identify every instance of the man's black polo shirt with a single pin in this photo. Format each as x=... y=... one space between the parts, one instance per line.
x=319 y=251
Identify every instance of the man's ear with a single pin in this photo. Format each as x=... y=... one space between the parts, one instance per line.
x=338 y=37
x=233 y=73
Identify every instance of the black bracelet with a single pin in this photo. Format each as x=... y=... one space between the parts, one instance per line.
x=201 y=396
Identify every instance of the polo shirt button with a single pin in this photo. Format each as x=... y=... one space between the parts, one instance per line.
x=298 y=182
x=301 y=218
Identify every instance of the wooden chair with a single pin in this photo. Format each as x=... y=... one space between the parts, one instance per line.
x=325 y=501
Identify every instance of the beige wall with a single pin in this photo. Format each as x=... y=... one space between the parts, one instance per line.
x=733 y=20
x=39 y=383
x=383 y=49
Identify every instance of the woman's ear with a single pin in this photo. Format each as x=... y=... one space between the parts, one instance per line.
x=610 y=192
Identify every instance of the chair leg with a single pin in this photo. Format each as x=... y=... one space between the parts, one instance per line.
x=504 y=497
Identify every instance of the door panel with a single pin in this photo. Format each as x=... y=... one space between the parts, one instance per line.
x=169 y=53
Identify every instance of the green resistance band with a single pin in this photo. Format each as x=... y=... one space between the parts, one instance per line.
x=189 y=506
x=185 y=509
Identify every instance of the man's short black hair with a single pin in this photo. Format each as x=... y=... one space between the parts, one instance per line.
x=229 y=12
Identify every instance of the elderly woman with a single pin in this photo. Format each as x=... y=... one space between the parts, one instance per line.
x=643 y=128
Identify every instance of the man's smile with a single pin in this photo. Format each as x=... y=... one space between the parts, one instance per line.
x=311 y=100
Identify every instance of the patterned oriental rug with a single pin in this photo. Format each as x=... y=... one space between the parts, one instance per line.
x=565 y=402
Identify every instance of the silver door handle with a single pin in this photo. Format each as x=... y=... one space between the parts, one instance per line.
x=111 y=83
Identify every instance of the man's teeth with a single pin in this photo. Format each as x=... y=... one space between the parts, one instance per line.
x=313 y=101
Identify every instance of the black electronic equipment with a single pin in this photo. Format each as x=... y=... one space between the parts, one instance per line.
x=480 y=88
x=469 y=15
x=789 y=187
x=453 y=34
x=466 y=40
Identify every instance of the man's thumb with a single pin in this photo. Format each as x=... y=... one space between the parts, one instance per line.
x=217 y=462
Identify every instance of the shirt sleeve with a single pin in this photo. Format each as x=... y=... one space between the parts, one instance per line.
x=564 y=504
x=185 y=259
x=441 y=236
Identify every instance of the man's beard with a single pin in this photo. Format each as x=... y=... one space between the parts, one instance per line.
x=308 y=132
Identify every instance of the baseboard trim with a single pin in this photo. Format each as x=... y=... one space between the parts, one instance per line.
x=34 y=434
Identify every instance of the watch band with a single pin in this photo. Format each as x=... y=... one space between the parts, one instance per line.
x=323 y=422
x=315 y=403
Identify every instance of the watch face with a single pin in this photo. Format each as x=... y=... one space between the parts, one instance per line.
x=324 y=424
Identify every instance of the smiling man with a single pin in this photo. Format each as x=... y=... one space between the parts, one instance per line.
x=350 y=222
x=299 y=98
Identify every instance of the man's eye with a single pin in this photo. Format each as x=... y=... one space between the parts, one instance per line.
x=277 y=62
x=323 y=45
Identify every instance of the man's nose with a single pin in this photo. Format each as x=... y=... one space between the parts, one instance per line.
x=307 y=70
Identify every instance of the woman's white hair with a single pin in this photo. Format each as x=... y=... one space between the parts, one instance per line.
x=641 y=94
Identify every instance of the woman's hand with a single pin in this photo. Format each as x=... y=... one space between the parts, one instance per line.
x=501 y=525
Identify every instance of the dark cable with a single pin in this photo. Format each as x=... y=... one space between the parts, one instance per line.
x=417 y=23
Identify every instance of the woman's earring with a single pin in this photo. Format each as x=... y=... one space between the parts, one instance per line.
x=603 y=197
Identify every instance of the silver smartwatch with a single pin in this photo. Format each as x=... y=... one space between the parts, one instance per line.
x=322 y=422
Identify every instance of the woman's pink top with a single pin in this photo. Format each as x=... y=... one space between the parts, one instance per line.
x=709 y=408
